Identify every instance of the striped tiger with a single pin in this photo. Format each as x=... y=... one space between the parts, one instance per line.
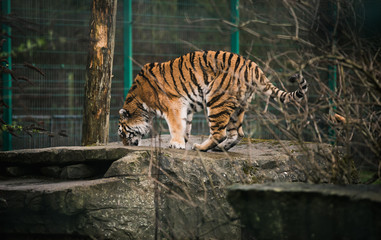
x=221 y=82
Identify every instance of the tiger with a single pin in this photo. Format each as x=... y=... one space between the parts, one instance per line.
x=220 y=82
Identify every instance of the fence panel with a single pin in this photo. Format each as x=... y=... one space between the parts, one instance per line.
x=54 y=36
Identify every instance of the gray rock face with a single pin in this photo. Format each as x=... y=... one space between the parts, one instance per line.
x=95 y=208
x=51 y=171
x=116 y=192
x=78 y=171
x=305 y=211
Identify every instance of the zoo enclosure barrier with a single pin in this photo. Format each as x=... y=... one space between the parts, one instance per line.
x=53 y=36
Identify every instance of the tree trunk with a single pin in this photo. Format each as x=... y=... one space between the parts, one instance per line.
x=96 y=114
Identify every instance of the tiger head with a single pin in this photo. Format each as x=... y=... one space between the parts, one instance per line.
x=133 y=125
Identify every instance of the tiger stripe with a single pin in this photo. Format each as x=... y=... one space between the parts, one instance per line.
x=220 y=81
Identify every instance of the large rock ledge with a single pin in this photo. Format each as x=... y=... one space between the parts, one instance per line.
x=117 y=192
x=305 y=211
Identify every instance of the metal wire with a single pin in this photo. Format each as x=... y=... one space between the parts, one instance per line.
x=58 y=46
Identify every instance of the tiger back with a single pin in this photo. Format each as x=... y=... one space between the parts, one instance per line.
x=221 y=82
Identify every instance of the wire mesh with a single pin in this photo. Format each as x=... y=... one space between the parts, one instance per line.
x=54 y=37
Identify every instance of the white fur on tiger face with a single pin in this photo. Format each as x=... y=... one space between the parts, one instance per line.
x=132 y=128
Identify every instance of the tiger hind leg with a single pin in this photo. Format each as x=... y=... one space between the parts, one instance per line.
x=213 y=140
x=235 y=132
x=218 y=122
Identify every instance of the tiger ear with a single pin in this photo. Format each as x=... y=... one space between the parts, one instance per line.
x=123 y=113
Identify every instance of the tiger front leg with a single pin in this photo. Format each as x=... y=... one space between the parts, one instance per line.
x=188 y=127
x=176 y=119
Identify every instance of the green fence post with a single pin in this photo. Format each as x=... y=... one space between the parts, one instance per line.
x=6 y=77
x=332 y=82
x=127 y=51
x=234 y=38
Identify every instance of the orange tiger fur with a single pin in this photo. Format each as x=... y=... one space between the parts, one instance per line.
x=222 y=82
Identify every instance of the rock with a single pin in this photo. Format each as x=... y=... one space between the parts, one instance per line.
x=139 y=192
x=51 y=171
x=305 y=211
x=99 y=209
x=62 y=155
x=78 y=171
x=16 y=171
x=134 y=164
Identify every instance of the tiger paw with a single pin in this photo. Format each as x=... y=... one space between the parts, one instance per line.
x=198 y=147
x=176 y=145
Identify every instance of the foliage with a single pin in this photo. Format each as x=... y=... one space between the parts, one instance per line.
x=30 y=126
x=329 y=43
x=324 y=40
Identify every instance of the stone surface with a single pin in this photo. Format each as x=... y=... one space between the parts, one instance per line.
x=62 y=155
x=16 y=171
x=78 y=171
x=140 y=192
x=51 y=171
x=99 y=209
x=305 y=211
